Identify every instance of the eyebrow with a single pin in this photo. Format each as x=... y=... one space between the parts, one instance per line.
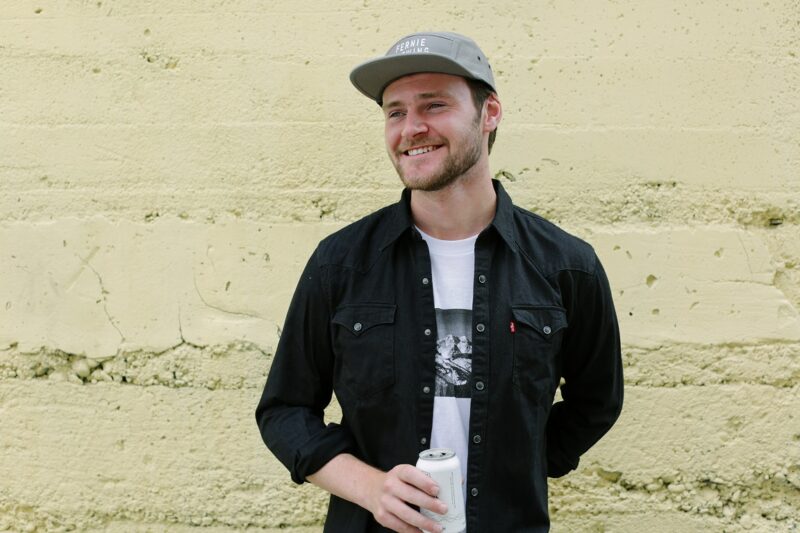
x=420 y=96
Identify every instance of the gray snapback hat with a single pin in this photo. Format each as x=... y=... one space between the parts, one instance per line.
x=442 y=52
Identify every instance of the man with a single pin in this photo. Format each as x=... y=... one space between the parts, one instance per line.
x=454 y=258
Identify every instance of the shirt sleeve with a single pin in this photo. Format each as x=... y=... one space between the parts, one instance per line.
x=300 y=384
x=592 y=391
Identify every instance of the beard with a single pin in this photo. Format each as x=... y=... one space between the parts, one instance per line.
x=456 y=164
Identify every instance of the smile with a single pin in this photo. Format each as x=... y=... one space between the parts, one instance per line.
x=421 y=150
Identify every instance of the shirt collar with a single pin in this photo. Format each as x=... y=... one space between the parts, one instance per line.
x=503 y=222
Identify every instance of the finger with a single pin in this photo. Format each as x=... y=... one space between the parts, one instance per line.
x=395 y=524
x=414 y=496
x=410 y=517
x=407 y=492
x=416 y=477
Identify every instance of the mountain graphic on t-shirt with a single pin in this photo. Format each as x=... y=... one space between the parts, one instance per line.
x=453 y=352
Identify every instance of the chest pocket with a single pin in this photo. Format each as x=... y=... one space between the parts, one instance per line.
x=364 y=341
x=537 y=341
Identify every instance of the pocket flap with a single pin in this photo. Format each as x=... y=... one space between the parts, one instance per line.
x=358 y=318
x=546 y=320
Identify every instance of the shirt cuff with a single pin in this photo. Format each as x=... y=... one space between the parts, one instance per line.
x=314 y=454
x=557 y=463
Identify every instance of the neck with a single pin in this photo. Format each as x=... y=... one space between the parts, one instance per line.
x=458 y=211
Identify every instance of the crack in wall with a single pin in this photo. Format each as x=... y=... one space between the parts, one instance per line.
x=746 y=253
x=103 y=293
x=217 y=308
x=84 y=264
x=183 y=342
x=700 y=282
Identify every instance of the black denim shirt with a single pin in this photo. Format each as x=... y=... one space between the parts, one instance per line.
x=362 y=324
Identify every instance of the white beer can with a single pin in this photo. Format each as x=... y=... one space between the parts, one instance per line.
x=442 y=465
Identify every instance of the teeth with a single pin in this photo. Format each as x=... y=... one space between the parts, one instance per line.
x=423 y=150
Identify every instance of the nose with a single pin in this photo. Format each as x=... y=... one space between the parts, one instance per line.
x=413 y=126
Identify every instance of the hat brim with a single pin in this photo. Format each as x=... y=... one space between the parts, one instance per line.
x=372 y=77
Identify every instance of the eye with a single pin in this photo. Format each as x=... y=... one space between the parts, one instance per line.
x=434 y=105
x=395 y=114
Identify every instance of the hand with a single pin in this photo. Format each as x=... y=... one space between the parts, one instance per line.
x=395 y=491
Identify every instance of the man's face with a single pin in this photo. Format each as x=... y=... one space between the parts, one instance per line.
x=433 y=131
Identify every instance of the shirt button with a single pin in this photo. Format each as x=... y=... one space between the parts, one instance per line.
x=480 y=328
x=427 y=332
x=357 y=326
x=547 y=330
x=425 y=281
x=426 y=389
x=482 y=279
x=479 y=385
x=476 y=439
x=474 y=492
x=423 y=440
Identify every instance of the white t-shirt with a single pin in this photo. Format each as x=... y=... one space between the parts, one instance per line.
x=452 y=270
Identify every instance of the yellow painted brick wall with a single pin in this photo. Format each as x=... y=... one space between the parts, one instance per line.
x=167 y=167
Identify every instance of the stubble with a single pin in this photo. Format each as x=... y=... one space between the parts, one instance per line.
x=455 y=165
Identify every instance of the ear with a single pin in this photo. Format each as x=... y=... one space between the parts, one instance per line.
x=494 y=112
